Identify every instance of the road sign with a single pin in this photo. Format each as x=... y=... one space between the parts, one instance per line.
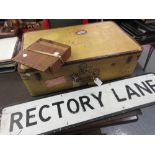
x=70 y=109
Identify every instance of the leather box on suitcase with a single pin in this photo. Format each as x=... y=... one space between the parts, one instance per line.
x=100 y=50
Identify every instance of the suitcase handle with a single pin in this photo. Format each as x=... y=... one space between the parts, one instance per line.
x=85 y=78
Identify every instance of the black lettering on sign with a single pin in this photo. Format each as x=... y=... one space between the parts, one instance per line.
x=131 y=92
x=41 y=114
x=73 y=101
x=16 y=121
x=150 y=85
x=58 y=107
x=145 y=88
x=85 y=103
x=117 y=97
x=29 y=116
x=98 y=98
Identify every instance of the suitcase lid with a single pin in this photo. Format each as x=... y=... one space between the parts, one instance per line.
x=88 y=41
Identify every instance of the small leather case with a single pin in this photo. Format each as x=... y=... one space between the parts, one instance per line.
x=44 y=54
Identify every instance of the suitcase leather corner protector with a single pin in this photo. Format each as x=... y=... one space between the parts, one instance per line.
x=100 y=50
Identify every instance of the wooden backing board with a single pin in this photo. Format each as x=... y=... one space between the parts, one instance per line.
x=115 y=120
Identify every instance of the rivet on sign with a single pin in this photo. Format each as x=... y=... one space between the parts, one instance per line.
x=24 y=55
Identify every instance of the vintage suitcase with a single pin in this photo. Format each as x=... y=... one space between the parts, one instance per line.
x=99 y=50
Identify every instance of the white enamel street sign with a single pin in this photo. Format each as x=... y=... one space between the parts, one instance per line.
x=64 y=110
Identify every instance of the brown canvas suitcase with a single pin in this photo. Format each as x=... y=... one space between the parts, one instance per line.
x=100 y=50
